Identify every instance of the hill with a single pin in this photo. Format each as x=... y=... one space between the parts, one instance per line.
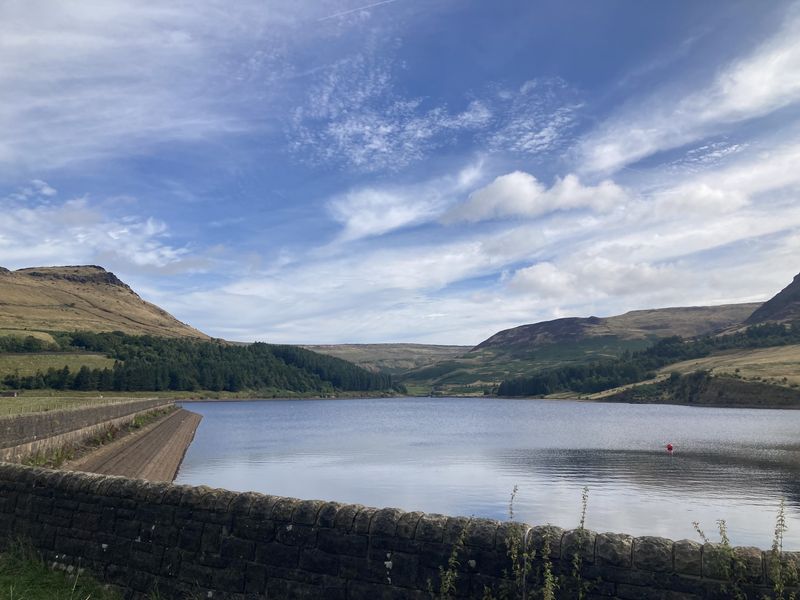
x=519 y=351
x=86 y=298
x=784 y=307
x=687 y=322
x=391 y=358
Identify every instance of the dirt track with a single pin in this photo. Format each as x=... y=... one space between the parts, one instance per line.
x=155 y=453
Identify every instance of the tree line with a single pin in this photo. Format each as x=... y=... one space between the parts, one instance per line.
x=632 y=367
x=148 y=363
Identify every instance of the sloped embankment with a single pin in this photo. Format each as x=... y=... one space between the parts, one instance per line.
x=154 y=453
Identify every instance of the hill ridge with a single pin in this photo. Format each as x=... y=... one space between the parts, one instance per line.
x=782 y=307
x=80 y=297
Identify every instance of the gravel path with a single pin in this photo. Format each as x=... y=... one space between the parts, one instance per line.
x=154 y=453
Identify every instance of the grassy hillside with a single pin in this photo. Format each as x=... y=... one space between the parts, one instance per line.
x=45 y=299
x=779 y=365
x=391 y=358
x=527 y=349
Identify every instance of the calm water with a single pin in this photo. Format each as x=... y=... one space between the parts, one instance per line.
x=464 y=456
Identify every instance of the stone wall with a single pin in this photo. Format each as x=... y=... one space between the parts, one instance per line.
x=220 y=544
x=20 y=429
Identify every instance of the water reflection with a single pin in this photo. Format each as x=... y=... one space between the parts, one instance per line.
x=463 y=456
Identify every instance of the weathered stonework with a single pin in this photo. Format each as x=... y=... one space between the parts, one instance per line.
x=24 y=435
x=212 y=543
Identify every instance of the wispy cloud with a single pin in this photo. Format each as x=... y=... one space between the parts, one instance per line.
x=537 y=117
x=354 y=117
x=365 y=7
x=99 y=79
x=758 y=84
x=37 y=228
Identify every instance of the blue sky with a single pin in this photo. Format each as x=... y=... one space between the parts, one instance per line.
x=406 y=170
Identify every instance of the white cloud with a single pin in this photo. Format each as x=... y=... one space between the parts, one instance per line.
x=371 y=211
x=766 y=80
x=590 y=276
x=520 y=194
x=78 y=231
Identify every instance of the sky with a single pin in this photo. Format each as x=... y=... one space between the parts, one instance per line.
x=433 y=171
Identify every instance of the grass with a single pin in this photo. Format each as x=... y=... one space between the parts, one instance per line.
x=29 y=364
x=32 y=401
x=23 y=333
x=25 y=576
x=25 y=404
x=776 y=365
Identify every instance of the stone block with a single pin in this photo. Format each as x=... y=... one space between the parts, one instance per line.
x=338 y=542
x=580 y=543
x=318 y=561
x=293 y=534
x=407 y=525
x=361 y=523
x=346 y=516
x=306 y=512
x=613 y=549
x=687 y=557
x=431 y=528
x=652 y=554
x=277 y=554
x=283 y=509
x=481 y=533
x=237 y=548
x=543 y=536
x=281 y=588
x=255 y=581
x=748 y=564
x=327 y=514
x=237 y=504
x=384 y=522
x=455 y=530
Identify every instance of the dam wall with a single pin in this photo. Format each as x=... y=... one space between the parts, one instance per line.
x=25 y=435
x=144 y=536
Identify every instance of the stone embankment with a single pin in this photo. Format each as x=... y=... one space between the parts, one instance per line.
x=155 y=453
x=22 y=436
x=179 y=540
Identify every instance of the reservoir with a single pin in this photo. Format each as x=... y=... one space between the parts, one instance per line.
x=464 y=456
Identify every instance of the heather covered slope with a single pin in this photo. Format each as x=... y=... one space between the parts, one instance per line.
x=86 y=298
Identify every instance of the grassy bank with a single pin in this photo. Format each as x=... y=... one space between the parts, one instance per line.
x=47 y=400
x=25 y=576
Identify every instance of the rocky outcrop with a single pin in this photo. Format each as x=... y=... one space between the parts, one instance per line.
x=90 y=274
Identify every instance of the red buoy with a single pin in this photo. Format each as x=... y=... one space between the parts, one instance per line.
x=669 y=448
